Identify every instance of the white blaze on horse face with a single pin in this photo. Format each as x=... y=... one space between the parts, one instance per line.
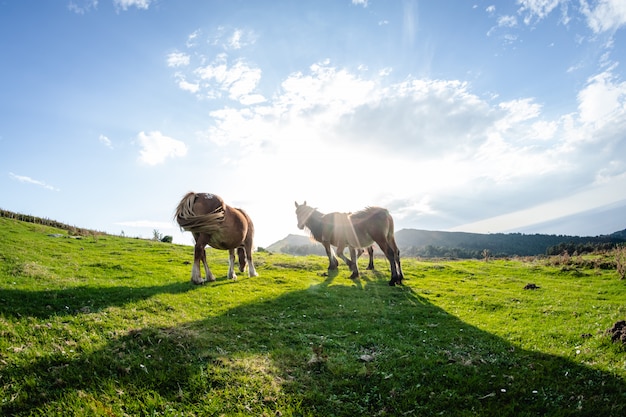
x=208 y=196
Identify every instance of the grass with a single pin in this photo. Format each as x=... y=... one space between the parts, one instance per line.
x=111 y=326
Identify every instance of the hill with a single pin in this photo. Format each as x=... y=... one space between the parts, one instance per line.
x=297 y=245
x=428 y=244
x=108 y=325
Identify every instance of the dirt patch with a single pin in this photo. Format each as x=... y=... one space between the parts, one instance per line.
x=618 y=332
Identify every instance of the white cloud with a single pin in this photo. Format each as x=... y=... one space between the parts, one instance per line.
x=518 y=111
x=177 y=59
x=127 y=4
x=187 y=86
x=602 y=100
x=29 y=180
x=538 y=9
x=606 y=16
x=105 y=141
x=422 y=147
x=586 y=199
x=234 y=42
x=544 y=130
x=156 y=148
x=238 y=80
x=82 y=6
x=507 y=21
x=232 y=39
x=601 y=15
x=360 y=2
x=193 y=39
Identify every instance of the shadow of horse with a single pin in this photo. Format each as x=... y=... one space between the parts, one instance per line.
x=327 y=349
x=79 y=300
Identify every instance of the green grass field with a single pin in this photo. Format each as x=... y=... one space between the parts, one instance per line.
x=112 y=326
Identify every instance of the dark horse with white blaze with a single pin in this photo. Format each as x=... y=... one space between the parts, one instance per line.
x=220 y=226
x=353 y=230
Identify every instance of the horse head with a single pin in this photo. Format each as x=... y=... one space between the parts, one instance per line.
x=303 y=212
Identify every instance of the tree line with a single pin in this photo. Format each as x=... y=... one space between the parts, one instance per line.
x=72 y=230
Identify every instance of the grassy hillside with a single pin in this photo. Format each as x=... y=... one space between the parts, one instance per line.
x=111 y=326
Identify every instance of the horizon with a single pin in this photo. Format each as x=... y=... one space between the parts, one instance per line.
x=299 y=234
x=473 y=116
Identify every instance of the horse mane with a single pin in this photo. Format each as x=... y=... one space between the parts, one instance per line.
x=367 y=211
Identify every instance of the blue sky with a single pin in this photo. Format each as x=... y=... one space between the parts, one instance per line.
x=476 y=116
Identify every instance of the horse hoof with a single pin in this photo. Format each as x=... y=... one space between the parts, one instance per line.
x=392 y=283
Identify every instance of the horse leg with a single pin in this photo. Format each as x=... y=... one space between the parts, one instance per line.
x=352 y=262
x=390 y=253
x=247 y=248
x=241 y=254
x=231 y=264
x=251 y=269
x=355 y=265
x=207 y=271
x=198 y=256
x=333 y=264
x=340 y=254
x=396 y=252
x=370 y=252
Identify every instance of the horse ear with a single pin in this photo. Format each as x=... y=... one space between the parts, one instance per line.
x=296 y=204
x=304 y=204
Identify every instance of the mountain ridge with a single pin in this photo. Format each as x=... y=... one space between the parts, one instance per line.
x=429 y=243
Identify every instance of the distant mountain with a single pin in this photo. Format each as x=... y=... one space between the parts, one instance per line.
x=471 y=245
x=297 y=245
x=619 y=235
x=290 y=240
x=426 y=243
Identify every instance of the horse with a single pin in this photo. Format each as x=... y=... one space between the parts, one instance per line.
x=212 y=222
x=353 y=230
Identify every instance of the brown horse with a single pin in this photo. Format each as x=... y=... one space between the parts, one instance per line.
x=220 y=226
x=355 y=231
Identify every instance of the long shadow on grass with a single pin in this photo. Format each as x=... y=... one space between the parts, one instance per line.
x=74 y=300
x=331 y=349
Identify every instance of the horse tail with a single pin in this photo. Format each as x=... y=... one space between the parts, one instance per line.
x=391 y=235
x=188 y=220
x=390 y=232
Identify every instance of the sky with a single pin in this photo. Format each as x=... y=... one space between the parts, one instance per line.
x=476 y=116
